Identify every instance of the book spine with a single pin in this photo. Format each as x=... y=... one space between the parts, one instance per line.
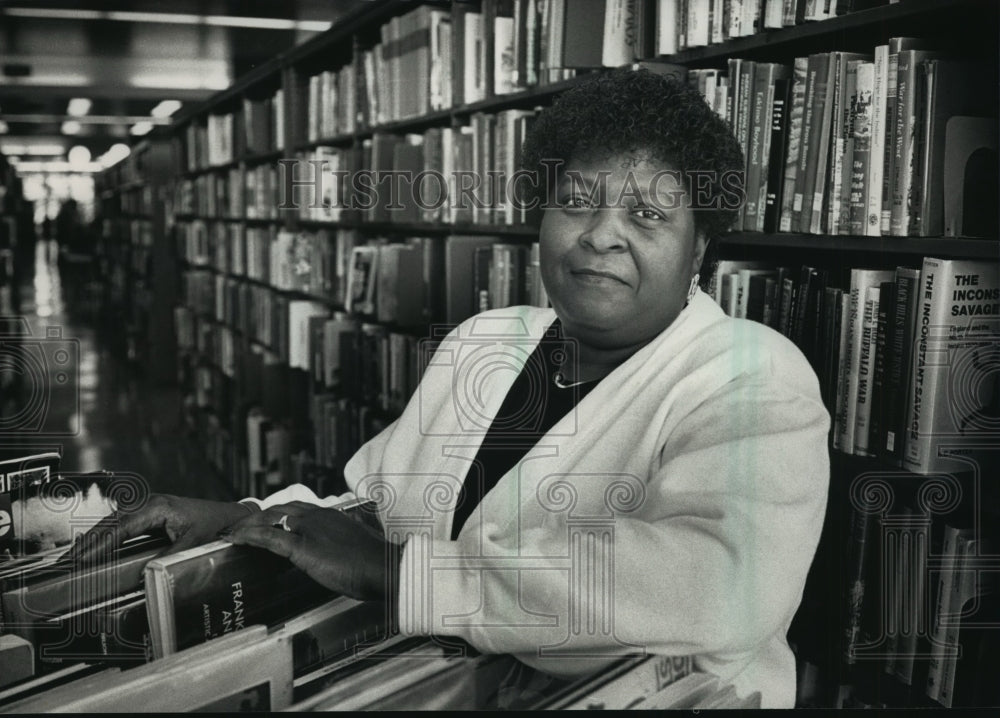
x=881 y=360
x=876 y=165
x=942 y=611
x=762 y=86
x=841 y=113
x=904 y=143
x=862 y=412
x=843 y=364
x=824 y=99
x=963 y=588
x=774 y=197
x=796 y=123
x=666 y=27
x=861 y=161
x=802 y=204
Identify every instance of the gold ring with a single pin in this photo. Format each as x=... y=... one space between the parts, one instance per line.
x=282 y=523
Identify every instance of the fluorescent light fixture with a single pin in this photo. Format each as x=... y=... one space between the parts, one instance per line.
x=166 y=108
x=262 y=23
x=56 y=166
x=141 y=128
x=181 y=81
x=70 y=127
x=3 y=127
x=78 y=106
x=116 y=153
x=68 y=79
x=9 y=148
x=78 y=156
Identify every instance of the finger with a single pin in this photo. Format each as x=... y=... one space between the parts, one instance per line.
x=98 y=543
x=273 y=516
x=282 y=543
x=106 y=535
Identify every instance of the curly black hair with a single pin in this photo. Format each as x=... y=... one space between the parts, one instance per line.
x=626 y=110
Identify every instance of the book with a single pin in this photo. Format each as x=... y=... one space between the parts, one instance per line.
x=900 y=353
x=958 y=312
x=248 y=670
x=970 y=634
x=943 y=616
x=762 y=98
x=862 y=412
x=862 y=148
x=627 y=683
x=212 y=590
x=63 y=586
x=790 y=199
x=861 y=280
x=206 y=592
x=879 y=121
x=22 y=475
x=17 y=660
x=20 y=689
x=461 y=300
x=115 y=632
x=777 y=156
x=905 y=137
x=881 y=358
x=812 y=153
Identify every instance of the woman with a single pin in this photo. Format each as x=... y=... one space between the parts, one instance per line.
x=686 y=449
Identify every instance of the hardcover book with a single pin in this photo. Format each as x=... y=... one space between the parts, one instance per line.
x=953 y=387
x=212 y=590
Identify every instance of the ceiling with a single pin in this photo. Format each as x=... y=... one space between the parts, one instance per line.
x=126 y=56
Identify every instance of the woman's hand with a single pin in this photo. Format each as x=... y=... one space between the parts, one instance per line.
x=335 y=550
x=186 y=522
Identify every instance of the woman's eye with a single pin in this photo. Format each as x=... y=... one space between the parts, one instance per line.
x=647 y=213
x=577 y=203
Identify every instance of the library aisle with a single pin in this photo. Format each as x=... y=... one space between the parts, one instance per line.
x=125 y=422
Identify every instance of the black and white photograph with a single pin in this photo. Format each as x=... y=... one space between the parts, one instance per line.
x=499 y=355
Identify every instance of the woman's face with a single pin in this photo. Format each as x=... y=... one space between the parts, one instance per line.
x=619 y=250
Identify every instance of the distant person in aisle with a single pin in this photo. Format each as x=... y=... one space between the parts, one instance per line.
x=630 y=470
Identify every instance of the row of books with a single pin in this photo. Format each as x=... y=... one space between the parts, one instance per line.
x=854 y=143
x=683 y=24
x=256 y=126
x=429 y=59
x=918 y=624
x=392 y=282
x=901 y=355
x=137 y=200
x=238 y=193
x=452 y=174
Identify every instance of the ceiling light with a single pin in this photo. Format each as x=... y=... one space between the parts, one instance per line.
x=78 y=106
x=141 y=128
x=56 y=166
x=116 y=153
x=31 y=149
x=264 y=23
x=70 y=127
x=166 y=108
x=208 y=79
x=3 y=127
x=78 y=156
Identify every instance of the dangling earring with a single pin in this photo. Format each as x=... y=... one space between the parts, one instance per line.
x=693 y=289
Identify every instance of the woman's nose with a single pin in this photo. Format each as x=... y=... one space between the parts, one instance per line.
x=603 y=231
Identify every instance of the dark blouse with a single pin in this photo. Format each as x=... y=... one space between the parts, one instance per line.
x=532 y=406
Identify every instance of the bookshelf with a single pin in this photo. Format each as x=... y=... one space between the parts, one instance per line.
x=136 y=262
x=268 y=411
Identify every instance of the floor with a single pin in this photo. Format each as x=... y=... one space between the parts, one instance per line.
x=109 y=418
